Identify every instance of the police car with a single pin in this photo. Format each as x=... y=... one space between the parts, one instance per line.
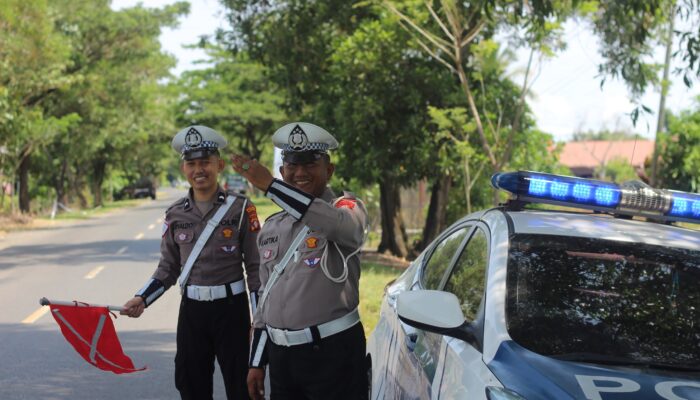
x=520 y=303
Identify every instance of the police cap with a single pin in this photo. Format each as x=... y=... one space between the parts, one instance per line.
x=197 y=141
x=302 y=142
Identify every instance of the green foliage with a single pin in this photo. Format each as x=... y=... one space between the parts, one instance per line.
x=80 y=96
x=679 y=154
x=616 y=170
x=236 y=97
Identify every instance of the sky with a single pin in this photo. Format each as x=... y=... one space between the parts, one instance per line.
x=567 y=96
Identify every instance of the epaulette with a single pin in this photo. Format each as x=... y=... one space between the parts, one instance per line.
x=275 y=214
x=177 y=202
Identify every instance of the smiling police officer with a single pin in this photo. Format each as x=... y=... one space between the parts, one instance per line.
x=307 y=325
x=207 y=237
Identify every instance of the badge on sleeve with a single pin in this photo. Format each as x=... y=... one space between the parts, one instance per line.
x=253 y=218
x=347 y=203
x=164 y=230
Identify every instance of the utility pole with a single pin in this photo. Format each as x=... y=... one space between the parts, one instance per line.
x=662 y=101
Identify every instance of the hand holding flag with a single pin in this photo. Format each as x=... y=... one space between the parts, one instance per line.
x=89 y=329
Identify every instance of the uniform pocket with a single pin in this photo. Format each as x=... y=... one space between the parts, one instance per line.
x=269 y=252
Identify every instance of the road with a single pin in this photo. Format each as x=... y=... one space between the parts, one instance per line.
x=104 y=260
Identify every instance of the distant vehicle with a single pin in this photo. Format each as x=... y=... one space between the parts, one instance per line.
x=139 y=189
x=235 y=183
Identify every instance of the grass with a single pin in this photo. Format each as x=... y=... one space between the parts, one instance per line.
x=265 y=207
x=91 y=212
x=372 y=282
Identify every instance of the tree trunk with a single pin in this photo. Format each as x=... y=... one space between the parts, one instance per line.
x=393 y=235
x=24 y=180
x=437 y=212
x=98 y=177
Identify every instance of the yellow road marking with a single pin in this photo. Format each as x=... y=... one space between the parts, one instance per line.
x=122 y=250
x=151 y=226
x=139 y=236
x=36 y=315
x=92 y=274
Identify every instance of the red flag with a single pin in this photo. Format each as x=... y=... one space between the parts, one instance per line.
x=91 y=333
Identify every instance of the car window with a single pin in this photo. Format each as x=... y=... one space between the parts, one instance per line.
x=604 y=300
x=468 y=276
x=440 y=258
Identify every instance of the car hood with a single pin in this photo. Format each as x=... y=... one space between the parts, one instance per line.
x=534 y=376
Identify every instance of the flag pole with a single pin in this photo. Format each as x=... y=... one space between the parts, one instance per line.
x=46 y=302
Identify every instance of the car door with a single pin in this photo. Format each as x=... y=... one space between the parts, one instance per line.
x=414 y=362
x=465 y=374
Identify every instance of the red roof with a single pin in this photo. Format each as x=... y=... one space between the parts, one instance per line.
x=594 y=153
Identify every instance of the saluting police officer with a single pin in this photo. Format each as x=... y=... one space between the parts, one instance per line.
x=307 y=325
x=207 y=237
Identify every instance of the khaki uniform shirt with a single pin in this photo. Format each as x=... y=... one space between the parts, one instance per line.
x=221 y=260
x=303 y=296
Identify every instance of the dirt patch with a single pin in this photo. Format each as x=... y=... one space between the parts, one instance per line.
x=10 y=223
x=384 y=259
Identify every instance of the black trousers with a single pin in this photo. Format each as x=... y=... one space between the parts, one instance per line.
x=207 y=330
x=334 y=368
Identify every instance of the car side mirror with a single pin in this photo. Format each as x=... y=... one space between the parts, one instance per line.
x=435 y=311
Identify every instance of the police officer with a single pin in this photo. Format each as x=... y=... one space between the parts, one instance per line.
x=207 y=237
x=307 y=325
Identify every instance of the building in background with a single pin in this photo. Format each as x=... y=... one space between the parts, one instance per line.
x=585 y=157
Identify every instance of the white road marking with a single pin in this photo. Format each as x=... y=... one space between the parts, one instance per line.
x=36 y=315
x=151 y=226
x=92 y=274
x=121 y=251
x=139 y=236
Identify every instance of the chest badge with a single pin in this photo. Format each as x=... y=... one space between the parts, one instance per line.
x=312 y=262
x=311 y=242
x=227 y=233
x=228 y=249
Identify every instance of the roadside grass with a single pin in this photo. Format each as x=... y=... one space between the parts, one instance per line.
x=91 y=212
x=265 y=207
x=373 y=279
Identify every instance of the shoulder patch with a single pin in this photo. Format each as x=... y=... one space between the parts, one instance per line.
x=166 y=225
x=253 y=223
x=345 y=203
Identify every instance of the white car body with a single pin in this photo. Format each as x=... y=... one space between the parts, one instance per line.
x=412 y=363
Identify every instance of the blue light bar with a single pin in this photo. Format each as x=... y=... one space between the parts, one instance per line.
x=632 y=198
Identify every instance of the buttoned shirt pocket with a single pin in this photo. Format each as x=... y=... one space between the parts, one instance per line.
x=269 y=252
x=185 y=241
x=313 y=243
x=225 y=243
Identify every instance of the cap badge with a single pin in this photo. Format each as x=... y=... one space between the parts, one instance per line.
x=193 y=138
x=298 y=139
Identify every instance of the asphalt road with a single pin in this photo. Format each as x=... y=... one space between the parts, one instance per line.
x=104 y=260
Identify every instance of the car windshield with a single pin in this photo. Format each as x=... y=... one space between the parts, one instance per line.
x=599 y=300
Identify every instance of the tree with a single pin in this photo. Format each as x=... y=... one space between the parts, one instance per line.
x=33 y=58
x=235 y=96
x=451 y=31
x=680 y=152
x=376 y=102
x=117 y=62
